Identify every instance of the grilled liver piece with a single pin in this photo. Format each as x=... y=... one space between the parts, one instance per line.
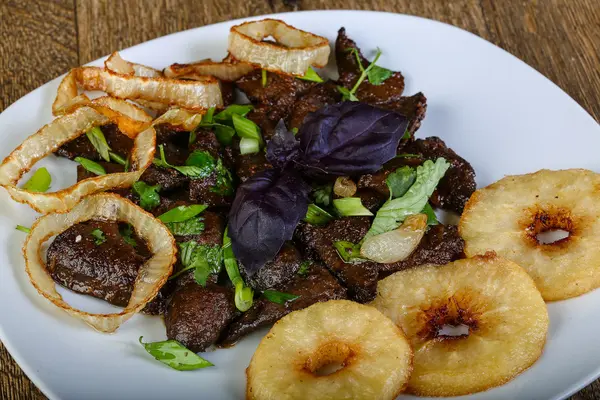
x=82 y=147
x=277 y=272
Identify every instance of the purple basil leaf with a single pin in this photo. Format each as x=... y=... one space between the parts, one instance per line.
x=264 y=214
x=283 y=147
x=349 y=138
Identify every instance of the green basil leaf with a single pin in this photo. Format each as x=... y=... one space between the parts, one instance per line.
x=149 y=197
x=99 y=142
x=431 y=217
x=175 y=355
x=304 y=268
x=349 y=252
x=311 y=75
x=182 y=213
x=394 y=211
x=224 y=184
x=99 y=236
x=23 y=228
x=244 y=295
x=226 y=115
x=315 y=215
x=203 y=161
x=377 y=75
x=193 y=226
x=91 y=166
x=400 y=181
x=39 y=182
x=126 y=232
x=351 y=207
x=279 y=297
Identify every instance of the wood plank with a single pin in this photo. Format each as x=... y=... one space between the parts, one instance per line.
x=39 y=43
x=559 y=38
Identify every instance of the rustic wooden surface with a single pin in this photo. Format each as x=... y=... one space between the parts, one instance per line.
x=42 y=39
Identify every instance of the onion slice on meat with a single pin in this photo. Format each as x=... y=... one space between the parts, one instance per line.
x=106 y=206
x=181 y=118
x=153 y=92
x=224 y=70
x=294 y=51
x=49 y=138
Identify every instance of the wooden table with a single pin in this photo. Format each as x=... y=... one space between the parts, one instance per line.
x=42 y=39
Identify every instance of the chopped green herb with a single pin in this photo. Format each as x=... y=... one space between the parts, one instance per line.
x=96 y=137
x=377 y=75
x=189 y=171
x=193 y=226
x=222 y=122
x=207 y=118
x=406 y=135
x=264 y=77
x=175 y=355
x=246 y=128
x=351 y=207
x=224 y=134
x=304 y=268
x=349 y=252
x=322 y=195
x=394 y=211
x=249 y=146
x=126 y=232
x=23 y=228
x=39 y=182
x=408 y=155
x=118 y=159
x=226 y=115
x=244 y=295
x=203 y=259
x=224 y=184
x=347 y=94
x=315 y=215
x=399 y=181
x=431 y=217
x=203 y=161
x=295 y=131
x=149 y=197
x=91 y=166
x=279 y=297
x=182 y=213
x=99 y=236
x=311 y=75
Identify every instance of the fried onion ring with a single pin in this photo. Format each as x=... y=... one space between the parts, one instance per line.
x=48 y=139
x=180 y=118
x=224 y=70
x=294 y=51
x=107 y=206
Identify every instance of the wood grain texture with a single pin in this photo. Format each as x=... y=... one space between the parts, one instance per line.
x=42 y=39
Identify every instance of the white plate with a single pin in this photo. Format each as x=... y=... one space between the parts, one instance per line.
x=498 y=113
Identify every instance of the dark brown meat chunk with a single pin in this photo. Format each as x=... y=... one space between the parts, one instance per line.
x=315 y=287
x=168 y=178
x=110 y=168
x=249 y=164
x=266 y=121
x=278 y=271
x=106 y=271
x=458 y=184
x=207 y=190
x=360 y=279
x=371 y=199
x=196 y=316
x=440 y=245
x=317 y=97
x=412 y=107
x=82 y=147
x=389 y=90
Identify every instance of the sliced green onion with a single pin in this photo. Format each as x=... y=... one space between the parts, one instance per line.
x=264 y=77
x=279 y=297
x=249 y=146
x=244 y=295
x=99 y=236
x=39 y=182
x=118 y=159
x=316 y=215
x=246 y=128
x=351 y=207
x=431 y=217
x=224 y=134
x=91 y=166
x=99 y=142
x=349 y=252
x=311 y=75
x=182 y=213
x=175 y=355
x=227 y=114
x=23 y=228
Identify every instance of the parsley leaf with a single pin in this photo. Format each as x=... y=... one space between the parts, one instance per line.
x=184 y=220
x=203 y=161
x=349 y=252
x=175 y=355
x=311 y=75
x=148 y=195
x=99 y=236
x=192 y=226
x=224 y=185
x=126 y=232
x=202 y=258
x=279 y=297
x=189 y=171
x=304 y=268
x=377 y=75
x=322 y=195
